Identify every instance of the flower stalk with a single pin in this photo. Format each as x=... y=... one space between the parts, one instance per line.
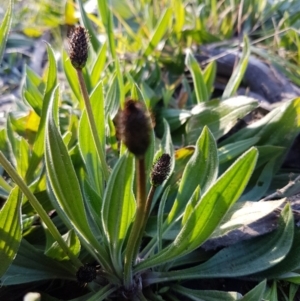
x=159 y=174
x=92 y=124
x=135 y=130
x=78 y=51
x=136 y=231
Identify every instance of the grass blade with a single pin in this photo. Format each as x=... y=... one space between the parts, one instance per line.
x=5 y=27
x=161 y=28
x=107 y=20
x=239 y=72
x=198 y=79
x=87 y=24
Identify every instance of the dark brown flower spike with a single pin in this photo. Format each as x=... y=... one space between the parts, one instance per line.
x=160 y=170
x=78 y=47
x=135 y=127
x=86 y=273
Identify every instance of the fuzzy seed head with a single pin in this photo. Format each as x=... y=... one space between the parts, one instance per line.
x=78 y=47
x=160 y=170
x=86 y=273
x=134 y=126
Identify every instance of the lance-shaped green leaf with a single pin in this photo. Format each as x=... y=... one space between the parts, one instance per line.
x=112 y=101
x=119 y=205
x=280 y=127
x=273 y=127
x=33 y=90
x=190 y=207
x=198 y=79
x=262 y=184
x=219 y=116
x=35 y=79
x=267 y=153
x=166 y=141
x=61 y=173
x=32 y=265
x=4 y=28
x=271 y=292
x=201 y=170
x=206 y=295
x=98 y=65
x=86 y=141
x=72 y=241
x=291 y=277
x=239 y=216
x=160 y=216
x=71 y=76
x=256 y=293
x=101 y=294
x=209 y=211
x=232 y=150
x=176 y=118
x=93 y=203
x=10 y=229
x=290 y=262
x=20 y=150
x=64 y=183
x=209 y=76
x=239 y=71
x=262 y=252
x=38 y=146
x=243 y=214
x=5 y=188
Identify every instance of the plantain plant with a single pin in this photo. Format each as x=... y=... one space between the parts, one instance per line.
x=96 y=202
